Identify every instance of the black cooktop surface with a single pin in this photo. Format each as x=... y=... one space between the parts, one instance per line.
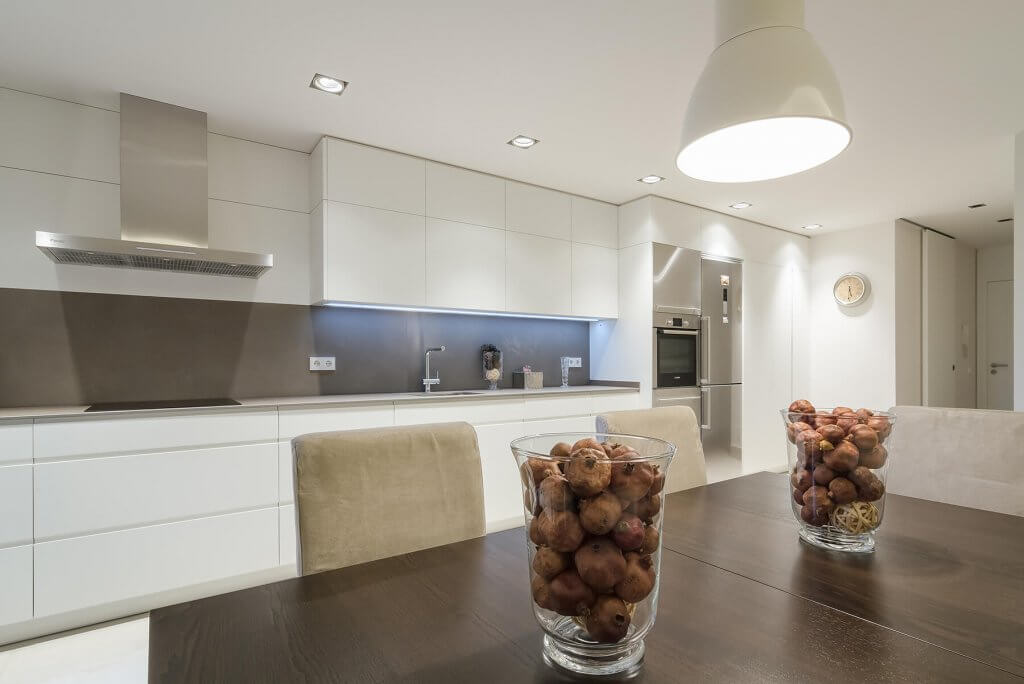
x=160 y=404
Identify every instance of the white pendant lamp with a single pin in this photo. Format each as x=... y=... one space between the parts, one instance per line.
x=767 y=104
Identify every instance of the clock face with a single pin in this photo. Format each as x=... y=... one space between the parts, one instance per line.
x=850 y=289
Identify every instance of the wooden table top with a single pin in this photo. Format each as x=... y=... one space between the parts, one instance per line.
x=742 y=600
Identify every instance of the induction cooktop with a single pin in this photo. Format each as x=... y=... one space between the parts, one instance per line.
x=160 y=404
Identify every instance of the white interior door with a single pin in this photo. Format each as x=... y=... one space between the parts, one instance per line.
x=939 y=329
x=998 y=346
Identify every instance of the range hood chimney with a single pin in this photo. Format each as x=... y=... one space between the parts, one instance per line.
x=163 y=201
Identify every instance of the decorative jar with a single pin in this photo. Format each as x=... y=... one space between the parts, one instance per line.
x=594 y=510
x=838 y=462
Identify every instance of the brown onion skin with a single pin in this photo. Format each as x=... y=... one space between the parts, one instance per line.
x=843 y=458
x=822 y=475
x=814 y=516
x=842 y=491
x=795 y=428
x=561 y=450
x=863 y=414
x=832 y=433
x=863 y=437
x=807 y=446
x=840 y=410
x=875 y=458
x=801 y=479
x=801 y=406
x=881 y=425
x=817 y=497
x=847 y=421
x=869 y=487
x=798 y=496
x=821 y=420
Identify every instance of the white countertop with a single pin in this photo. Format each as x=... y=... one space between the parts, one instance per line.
x=37 y=412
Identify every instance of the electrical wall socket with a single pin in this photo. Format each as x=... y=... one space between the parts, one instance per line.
x=572 y=361
x=321 y=363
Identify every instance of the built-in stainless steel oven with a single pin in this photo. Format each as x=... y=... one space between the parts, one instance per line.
x=676 y=350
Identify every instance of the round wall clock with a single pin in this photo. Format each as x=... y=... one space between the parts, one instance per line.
x=851 y=289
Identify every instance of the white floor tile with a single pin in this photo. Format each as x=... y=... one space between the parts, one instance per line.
x=113 y=653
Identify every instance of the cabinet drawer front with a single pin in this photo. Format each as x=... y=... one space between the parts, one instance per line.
x=15 y=505
x=91 y=495
x=295 y=422
x=15 y=584
x=556 y=407
x=625 y=401
x=132 y=434
x=447 y=411
x=102 y=568
x=15 y=443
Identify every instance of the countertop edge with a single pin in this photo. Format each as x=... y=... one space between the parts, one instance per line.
x=42 y=413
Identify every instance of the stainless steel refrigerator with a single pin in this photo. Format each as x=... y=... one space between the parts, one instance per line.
x=721 y=356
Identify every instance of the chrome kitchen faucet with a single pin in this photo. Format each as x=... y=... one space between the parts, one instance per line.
x=427 y=380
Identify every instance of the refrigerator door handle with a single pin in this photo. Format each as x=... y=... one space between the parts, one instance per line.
x=705 y=356
x=705 y=408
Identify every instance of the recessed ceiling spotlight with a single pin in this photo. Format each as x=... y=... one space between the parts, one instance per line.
x=740 y=205
x=1004 y=220
x=977 y=206
x=328 y=84
x=812 y=226
x=523 y=141
x=651 y=179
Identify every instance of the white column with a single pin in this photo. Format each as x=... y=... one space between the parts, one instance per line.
x=1018 y=276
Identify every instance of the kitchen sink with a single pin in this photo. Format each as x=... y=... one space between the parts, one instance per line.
x=455 y=393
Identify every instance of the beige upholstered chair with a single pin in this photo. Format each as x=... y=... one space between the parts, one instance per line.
x=676 y=424
x=369 y=494
x=965 y=457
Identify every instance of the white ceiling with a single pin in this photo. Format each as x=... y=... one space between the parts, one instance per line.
x=933 y=90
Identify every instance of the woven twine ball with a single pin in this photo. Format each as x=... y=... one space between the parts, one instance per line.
x=856 y=517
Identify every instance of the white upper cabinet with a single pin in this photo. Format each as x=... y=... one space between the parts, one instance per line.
x=538 y=273
x=656 y=219
x=465 y=266
x=724 y=235
x=466 y=196
x=373 y=255
x=595 y=281
x=391 y=229
x=372 y=177
x=595 y=223
x=538 y=211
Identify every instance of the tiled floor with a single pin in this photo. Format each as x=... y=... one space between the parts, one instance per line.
x=112 y=653
x=723 y=468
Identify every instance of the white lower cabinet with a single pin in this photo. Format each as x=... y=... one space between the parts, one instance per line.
x=98 y=494
x=503 y=496
x=15 y=505
x=15 y=584
x=287 y=534
x=81 y=572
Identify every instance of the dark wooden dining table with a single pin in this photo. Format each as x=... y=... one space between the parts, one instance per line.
x=741 y=600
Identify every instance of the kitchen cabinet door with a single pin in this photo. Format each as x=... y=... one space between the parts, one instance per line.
x=595 y=281
x=15 y=505
x=15 y=443
x=373 y=256
x=538 y=211
x=538 y=274
x=15 y=584
x=595 y=223
x=456 y=194
x=465 y=266
x=372 y=177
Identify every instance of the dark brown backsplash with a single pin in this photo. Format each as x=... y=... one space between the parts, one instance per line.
x=79 y=348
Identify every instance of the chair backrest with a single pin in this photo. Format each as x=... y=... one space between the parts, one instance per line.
x=676 y=424
x=369 y=494
x=965 y=457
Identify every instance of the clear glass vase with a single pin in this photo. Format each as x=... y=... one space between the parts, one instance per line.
x=838 y=462
x=594 y=512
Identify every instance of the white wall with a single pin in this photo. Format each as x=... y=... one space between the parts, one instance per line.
x=907 y=326
x=853 y=349
x=994 y=264
x=938 y=288
x=1018 y=277
x=60 y=172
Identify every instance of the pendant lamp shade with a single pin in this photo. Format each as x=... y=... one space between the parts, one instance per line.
x=768 y=103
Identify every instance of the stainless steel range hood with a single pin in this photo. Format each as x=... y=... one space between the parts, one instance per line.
x=163 y=201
